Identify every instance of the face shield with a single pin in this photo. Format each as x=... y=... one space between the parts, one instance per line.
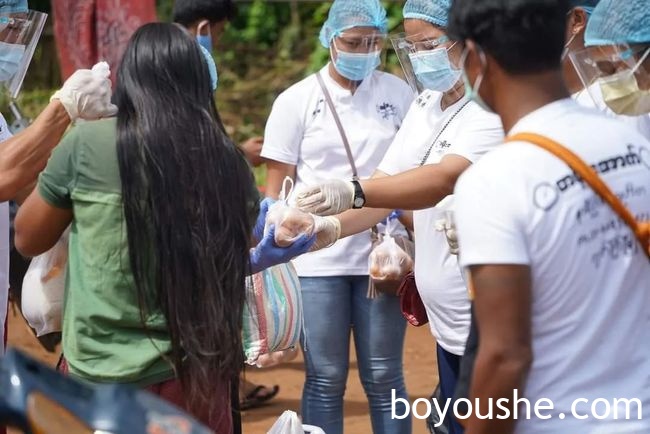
x=356 y=55
x=20 y=31
x=428 y=63
x=619 y=75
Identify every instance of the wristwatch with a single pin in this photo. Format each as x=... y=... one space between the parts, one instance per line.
x=359 y=198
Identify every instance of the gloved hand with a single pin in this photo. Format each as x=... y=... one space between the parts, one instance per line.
x=258 y=230
x=327 y=231
x=87 y=94
x=329 y=198
x=267 y=254
x=449 y=228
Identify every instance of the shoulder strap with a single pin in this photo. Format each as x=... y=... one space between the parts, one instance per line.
x=330 y=103
x=589 y=175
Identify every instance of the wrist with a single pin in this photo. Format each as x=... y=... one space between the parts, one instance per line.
x=358 y=196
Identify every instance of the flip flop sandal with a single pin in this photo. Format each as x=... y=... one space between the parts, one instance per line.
x=255 y=399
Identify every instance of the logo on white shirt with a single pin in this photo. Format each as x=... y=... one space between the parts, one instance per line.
x=386 y=110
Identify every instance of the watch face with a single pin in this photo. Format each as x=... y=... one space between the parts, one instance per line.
x=358 y=202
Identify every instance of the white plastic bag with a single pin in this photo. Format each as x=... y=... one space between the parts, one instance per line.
x=44 y=287
x=289 y=423
x=290 y=223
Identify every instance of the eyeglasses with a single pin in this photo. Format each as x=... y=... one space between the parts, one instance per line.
x=358 y=44
x=423 y=45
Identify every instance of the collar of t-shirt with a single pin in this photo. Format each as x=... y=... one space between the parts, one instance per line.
x=338 y=92
x=541 y=116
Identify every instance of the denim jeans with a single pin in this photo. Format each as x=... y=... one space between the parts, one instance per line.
x=333 y=307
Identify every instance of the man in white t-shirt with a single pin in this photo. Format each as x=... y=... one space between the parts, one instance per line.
x=561 y=289
x=590 y=96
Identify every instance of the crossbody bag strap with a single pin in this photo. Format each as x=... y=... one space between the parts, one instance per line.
x=344 y=137
x=590 y=176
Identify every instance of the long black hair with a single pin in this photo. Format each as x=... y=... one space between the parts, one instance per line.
x=187 y=194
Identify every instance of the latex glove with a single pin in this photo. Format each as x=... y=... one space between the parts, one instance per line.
x=449 y=228
x=87 y=94
x=327 y=230
x=268 y=254
x=258 y=230
x=329 y=198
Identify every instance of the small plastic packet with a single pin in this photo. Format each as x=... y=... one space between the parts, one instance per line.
x=276 y=358
x=290 y=223
x=388 y=264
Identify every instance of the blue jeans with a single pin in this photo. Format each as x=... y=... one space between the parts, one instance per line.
x=448 y=370
x=333 y=306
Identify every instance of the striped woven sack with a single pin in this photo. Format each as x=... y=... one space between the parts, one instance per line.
x=273 y=312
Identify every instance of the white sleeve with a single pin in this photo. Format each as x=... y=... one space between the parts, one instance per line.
x=394 y=160
x=481 y=132
x=489 y=217
x=284 y=130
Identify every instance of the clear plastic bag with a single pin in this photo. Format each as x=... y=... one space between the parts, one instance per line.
x=276 y=358
x=290 y=223
x=388 y=264
x=44 y=287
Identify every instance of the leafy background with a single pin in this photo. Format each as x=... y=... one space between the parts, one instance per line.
x=266 y=48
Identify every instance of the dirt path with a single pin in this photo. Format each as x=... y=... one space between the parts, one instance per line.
x=419 y=365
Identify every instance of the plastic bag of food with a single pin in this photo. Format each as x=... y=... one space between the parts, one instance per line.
x=290 y=223
x=44 y=287
x=276 y=358
x=388 y=264
x=272 y=317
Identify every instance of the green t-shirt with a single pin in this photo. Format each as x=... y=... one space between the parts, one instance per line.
x=103 y=336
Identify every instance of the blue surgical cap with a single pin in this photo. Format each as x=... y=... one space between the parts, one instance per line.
x=619 y=22
x=346 y=14
x=13 y=6
x=432 y=11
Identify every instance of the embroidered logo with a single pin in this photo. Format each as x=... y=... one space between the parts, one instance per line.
x=386 y=110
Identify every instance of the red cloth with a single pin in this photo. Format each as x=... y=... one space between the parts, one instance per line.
x=219 y=420
x=88 y=31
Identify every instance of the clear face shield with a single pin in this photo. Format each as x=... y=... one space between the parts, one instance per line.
x=19 y=34
x=430 y=63
x=619 y=75
x=357 y=52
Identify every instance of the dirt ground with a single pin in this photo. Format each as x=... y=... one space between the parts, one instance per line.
x=419 y=367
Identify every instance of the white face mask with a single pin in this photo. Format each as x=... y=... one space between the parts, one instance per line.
x=10 y=57
x=622 y=93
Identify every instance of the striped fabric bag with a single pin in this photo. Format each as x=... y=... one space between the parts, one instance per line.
x=273 y=312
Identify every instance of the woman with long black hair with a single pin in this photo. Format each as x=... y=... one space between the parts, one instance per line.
x=162 y=206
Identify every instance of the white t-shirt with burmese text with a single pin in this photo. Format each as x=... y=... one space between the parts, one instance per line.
x=590 y=278
x=301 y=131
x=470 y=135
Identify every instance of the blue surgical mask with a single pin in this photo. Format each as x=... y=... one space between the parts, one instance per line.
x=10 y=57
x=434 y=70
x=212 y=67
x=356 y=66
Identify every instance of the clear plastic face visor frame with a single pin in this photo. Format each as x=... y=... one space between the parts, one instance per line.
x=19 y=35
x=359 y=51
x=595 y=64
x=405 y=46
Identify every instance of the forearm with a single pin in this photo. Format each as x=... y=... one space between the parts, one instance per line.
x=359 y=220
x=416 y=189
x=23 y=156
x=496 y=375
x=276 y=173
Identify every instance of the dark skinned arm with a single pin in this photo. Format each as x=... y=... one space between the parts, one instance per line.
x=502 y=306
x=39 y=225
x=23 y=156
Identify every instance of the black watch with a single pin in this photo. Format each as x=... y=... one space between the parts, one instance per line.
x=359 y=198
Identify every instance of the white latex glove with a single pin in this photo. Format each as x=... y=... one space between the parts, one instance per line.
x=327 y=230
x=87 y=94
x=328 y=198
x=449 y=228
